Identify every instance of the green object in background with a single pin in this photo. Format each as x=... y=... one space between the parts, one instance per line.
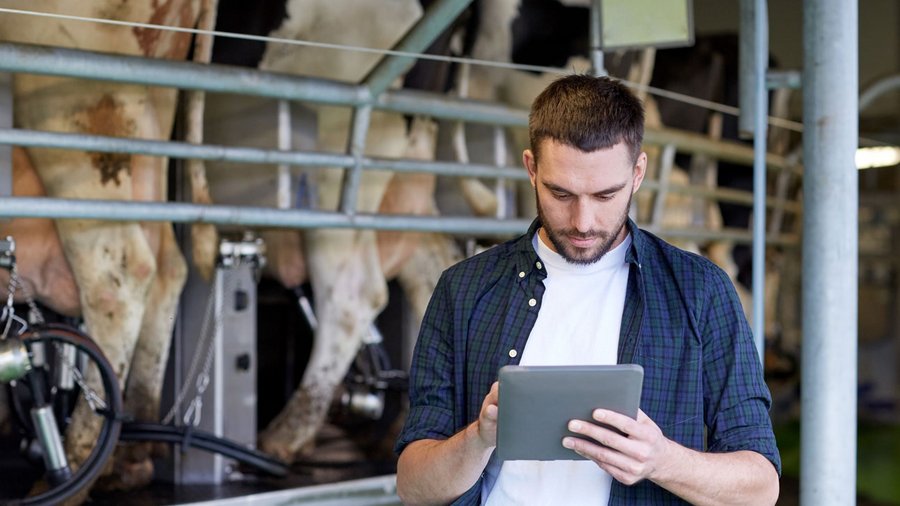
x=640 y=23
x=877 y=463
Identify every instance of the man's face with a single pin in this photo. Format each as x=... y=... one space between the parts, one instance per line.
x=583 y=198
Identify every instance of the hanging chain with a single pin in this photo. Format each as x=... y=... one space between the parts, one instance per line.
x=8 y=313
x=35 y=316
x=94 y=400
x=193 y=413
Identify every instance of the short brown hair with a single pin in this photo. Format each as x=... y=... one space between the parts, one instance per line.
x=588 y=113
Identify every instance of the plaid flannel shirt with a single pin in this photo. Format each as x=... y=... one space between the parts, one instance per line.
x=682 y=322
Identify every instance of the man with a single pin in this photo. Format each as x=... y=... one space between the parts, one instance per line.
x=586 y=286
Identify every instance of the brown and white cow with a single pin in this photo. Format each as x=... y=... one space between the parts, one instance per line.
x=129 y=275
x=348 y=268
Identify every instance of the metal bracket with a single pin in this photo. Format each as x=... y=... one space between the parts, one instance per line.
x=250 y=250
x=7 y=252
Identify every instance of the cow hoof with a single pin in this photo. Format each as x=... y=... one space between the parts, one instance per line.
x=277 y=450
x=128 y=475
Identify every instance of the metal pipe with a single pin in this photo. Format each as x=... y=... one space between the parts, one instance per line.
x=435 y=20
x=747 y=69
x=724 y=151
x=39 y=139
x=32 y=59
x=597 y=66
x=722 y=195
x=501 y=188
x=666 y=162
x=39 y=207
x=221 y=78
x=6 y=121
x=791 y=79
x=736 y=235
x=417 y=102
x=90 y=65
x=756 y=29
x=687 y=143
x=356 y=146
x=876 y=90
x=830 y=249
x=284 y=144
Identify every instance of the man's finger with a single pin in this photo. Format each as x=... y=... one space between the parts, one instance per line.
x=603 y=436
x=624 y=423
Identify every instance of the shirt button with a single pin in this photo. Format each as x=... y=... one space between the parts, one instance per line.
x=532 y=302
x=522 y=274
x=513 y=353
x=539 y=265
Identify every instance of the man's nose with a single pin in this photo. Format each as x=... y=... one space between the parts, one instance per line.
x=582 y=217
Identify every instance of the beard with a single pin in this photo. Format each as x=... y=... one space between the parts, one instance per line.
x=582 y=256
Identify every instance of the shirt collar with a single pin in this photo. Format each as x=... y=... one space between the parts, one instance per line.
x=634 y=255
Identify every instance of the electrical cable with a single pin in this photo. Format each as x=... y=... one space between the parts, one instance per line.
x=194 y=438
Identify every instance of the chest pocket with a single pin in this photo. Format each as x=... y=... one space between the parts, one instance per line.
x=673 y=382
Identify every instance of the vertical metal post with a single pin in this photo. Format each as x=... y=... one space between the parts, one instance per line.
x=754 y=111
x=359 y=129
x=6 y=117
x=830 y=253
x=597 y=67
x=284 y=143
x=501 y=186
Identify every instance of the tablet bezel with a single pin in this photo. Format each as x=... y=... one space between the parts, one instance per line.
x=536 y=403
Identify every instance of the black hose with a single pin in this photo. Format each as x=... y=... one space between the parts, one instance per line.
x=191 y=437
x=109 y=431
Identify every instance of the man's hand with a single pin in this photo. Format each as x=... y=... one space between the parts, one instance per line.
x=432 y=471
x=640 y=454
x=487 y=418
x=741 y=477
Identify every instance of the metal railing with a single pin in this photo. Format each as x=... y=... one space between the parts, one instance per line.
x=225 y=79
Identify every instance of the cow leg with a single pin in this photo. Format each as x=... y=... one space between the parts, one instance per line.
x=350 y=291
x=112 y=262
x=349 y=286
x=113 y=266
x=133 y=465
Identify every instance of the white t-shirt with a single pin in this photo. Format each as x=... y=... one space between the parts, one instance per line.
x=578 y=324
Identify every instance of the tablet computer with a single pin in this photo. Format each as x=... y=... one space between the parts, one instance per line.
x=536 y=403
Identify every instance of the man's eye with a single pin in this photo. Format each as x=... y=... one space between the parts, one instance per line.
x=562 y=196
x=604 y=198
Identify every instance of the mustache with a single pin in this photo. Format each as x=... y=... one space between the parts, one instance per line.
x=591 y=234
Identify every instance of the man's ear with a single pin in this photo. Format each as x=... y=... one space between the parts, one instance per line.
x=640 y=170
x=530 y=165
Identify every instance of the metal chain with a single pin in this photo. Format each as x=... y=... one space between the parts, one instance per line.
x=93 y=399
x=8 y=313
x=35 y=315
x=192 y=414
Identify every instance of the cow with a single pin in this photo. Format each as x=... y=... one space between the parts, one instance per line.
x=128 y=275
x=347 y=268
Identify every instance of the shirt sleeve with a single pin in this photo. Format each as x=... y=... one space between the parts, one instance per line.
x=736 y=397
x=431 y=390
